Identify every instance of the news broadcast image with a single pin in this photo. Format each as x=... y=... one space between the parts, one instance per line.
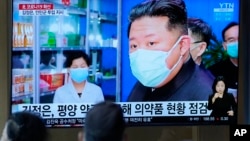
x=68 y=55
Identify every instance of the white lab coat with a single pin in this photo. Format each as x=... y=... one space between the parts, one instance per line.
x=67 y=94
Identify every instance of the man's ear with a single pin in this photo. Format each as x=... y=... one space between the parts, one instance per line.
x=184 y=44
x=224 y=44
x=202 y=48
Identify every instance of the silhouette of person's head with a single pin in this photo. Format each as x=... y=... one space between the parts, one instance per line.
x=104 y=122
x=24 y=126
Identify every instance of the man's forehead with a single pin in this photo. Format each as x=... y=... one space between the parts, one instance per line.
x=151 y=20
x=153 y=24
x=232 y=31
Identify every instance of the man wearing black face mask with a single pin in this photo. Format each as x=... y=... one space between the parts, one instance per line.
x=229 y=67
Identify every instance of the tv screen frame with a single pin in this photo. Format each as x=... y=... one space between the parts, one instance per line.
x=244 y=60
x=134 y=117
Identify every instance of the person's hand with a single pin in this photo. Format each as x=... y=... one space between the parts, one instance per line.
x=230 y=113
x=216 y=95
x=219 y=95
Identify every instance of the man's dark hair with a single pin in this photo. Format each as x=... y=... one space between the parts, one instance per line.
x=231 y=24
x=72 y=55
x=175 y=10
x=200 y=29
x=25 y=126
x=104 y=122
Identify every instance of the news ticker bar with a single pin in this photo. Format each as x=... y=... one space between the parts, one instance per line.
x=239 y=132
x=136 y=121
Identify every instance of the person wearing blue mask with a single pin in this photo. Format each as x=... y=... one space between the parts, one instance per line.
x=229 y=67
x=78 y=89
x=159 y=53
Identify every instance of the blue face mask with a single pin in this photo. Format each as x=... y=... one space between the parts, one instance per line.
x=149 y=66
x=232 y=49
x=79 y=74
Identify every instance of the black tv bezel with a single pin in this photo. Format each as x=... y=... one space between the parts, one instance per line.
x=244 y=69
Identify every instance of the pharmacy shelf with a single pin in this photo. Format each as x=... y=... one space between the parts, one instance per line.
x=21 y=96
x=103 y=17
x=109 y=77
x=62 y=48
x=70 y=9
x=47 y=93
x=22 y=48
x=59 y=48
x=36 y=48
x=101 y=47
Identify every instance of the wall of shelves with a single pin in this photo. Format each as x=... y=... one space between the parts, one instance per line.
x=60 y=35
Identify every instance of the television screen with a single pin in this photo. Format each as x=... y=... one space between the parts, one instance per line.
x=163 y=66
